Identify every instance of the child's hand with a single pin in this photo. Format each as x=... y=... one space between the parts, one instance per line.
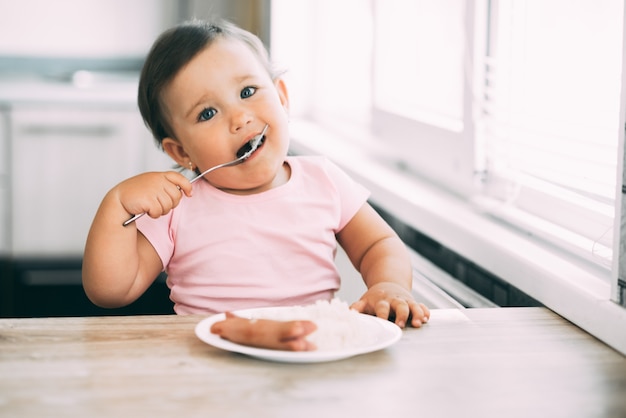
x=266 y=333
x=153 y=193
x=389 y=300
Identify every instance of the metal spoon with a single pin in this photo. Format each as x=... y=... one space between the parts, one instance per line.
x=253 y=143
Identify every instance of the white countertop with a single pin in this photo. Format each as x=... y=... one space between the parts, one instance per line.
x=15 y=91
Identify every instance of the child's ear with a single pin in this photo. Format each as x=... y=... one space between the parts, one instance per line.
x=175 y=150
x=281 y=87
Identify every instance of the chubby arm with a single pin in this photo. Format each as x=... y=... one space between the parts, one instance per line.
x=119 y=263
x=381 y=257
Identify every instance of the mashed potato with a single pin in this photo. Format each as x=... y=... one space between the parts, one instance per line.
x=338 y=326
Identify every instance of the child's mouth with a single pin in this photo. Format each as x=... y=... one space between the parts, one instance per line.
x=249 y=147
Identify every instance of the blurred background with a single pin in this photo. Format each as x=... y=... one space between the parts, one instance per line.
x=70 y=130
x=490 y=133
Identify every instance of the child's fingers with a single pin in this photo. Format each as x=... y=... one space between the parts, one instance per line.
x=382 y=309
x=419 y=313
x=401 y=311
x=170 y=194
x=181 y=182
x=359 y=306
x=154 y=193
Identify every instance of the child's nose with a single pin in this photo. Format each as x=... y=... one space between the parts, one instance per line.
x=240 y=117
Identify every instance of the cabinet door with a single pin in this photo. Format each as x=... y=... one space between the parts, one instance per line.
x=64 y=160
x=4 y=183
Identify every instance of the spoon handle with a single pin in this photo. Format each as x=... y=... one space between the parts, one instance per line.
x=133 y=219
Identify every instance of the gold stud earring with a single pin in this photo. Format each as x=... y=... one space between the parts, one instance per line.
x=190 y=165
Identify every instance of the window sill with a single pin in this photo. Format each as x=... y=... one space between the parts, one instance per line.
x=569 y=286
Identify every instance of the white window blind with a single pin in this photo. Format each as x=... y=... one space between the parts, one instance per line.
x=522 y=95
x=549 y=118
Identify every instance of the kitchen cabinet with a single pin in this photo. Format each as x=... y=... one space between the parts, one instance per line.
x=58 y=158
x=44 y=287
x=4 y=182
x=69 y=131
x=64 y=161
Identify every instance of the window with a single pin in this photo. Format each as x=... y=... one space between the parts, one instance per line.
x=422 y=83
x=549 y=118
x=428 y=85
x=512 y=104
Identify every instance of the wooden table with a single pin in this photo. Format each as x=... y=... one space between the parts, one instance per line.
x=501 y=362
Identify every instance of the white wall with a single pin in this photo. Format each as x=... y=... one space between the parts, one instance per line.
x=83 y=28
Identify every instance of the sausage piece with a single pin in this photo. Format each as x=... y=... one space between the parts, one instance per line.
x=266 y=333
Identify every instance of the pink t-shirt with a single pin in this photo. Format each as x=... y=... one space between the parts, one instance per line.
x=225 y=252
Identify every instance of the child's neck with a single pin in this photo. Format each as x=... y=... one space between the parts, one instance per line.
x=282 y=177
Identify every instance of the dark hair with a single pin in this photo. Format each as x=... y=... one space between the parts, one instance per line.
x=172 y=51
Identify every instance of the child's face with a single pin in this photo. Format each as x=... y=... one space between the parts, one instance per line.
x=216 y=103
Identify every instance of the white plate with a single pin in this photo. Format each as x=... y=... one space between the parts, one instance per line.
x=384 y=334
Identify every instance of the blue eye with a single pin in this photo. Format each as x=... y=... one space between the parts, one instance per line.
x=247 y=92
x=206 y=114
